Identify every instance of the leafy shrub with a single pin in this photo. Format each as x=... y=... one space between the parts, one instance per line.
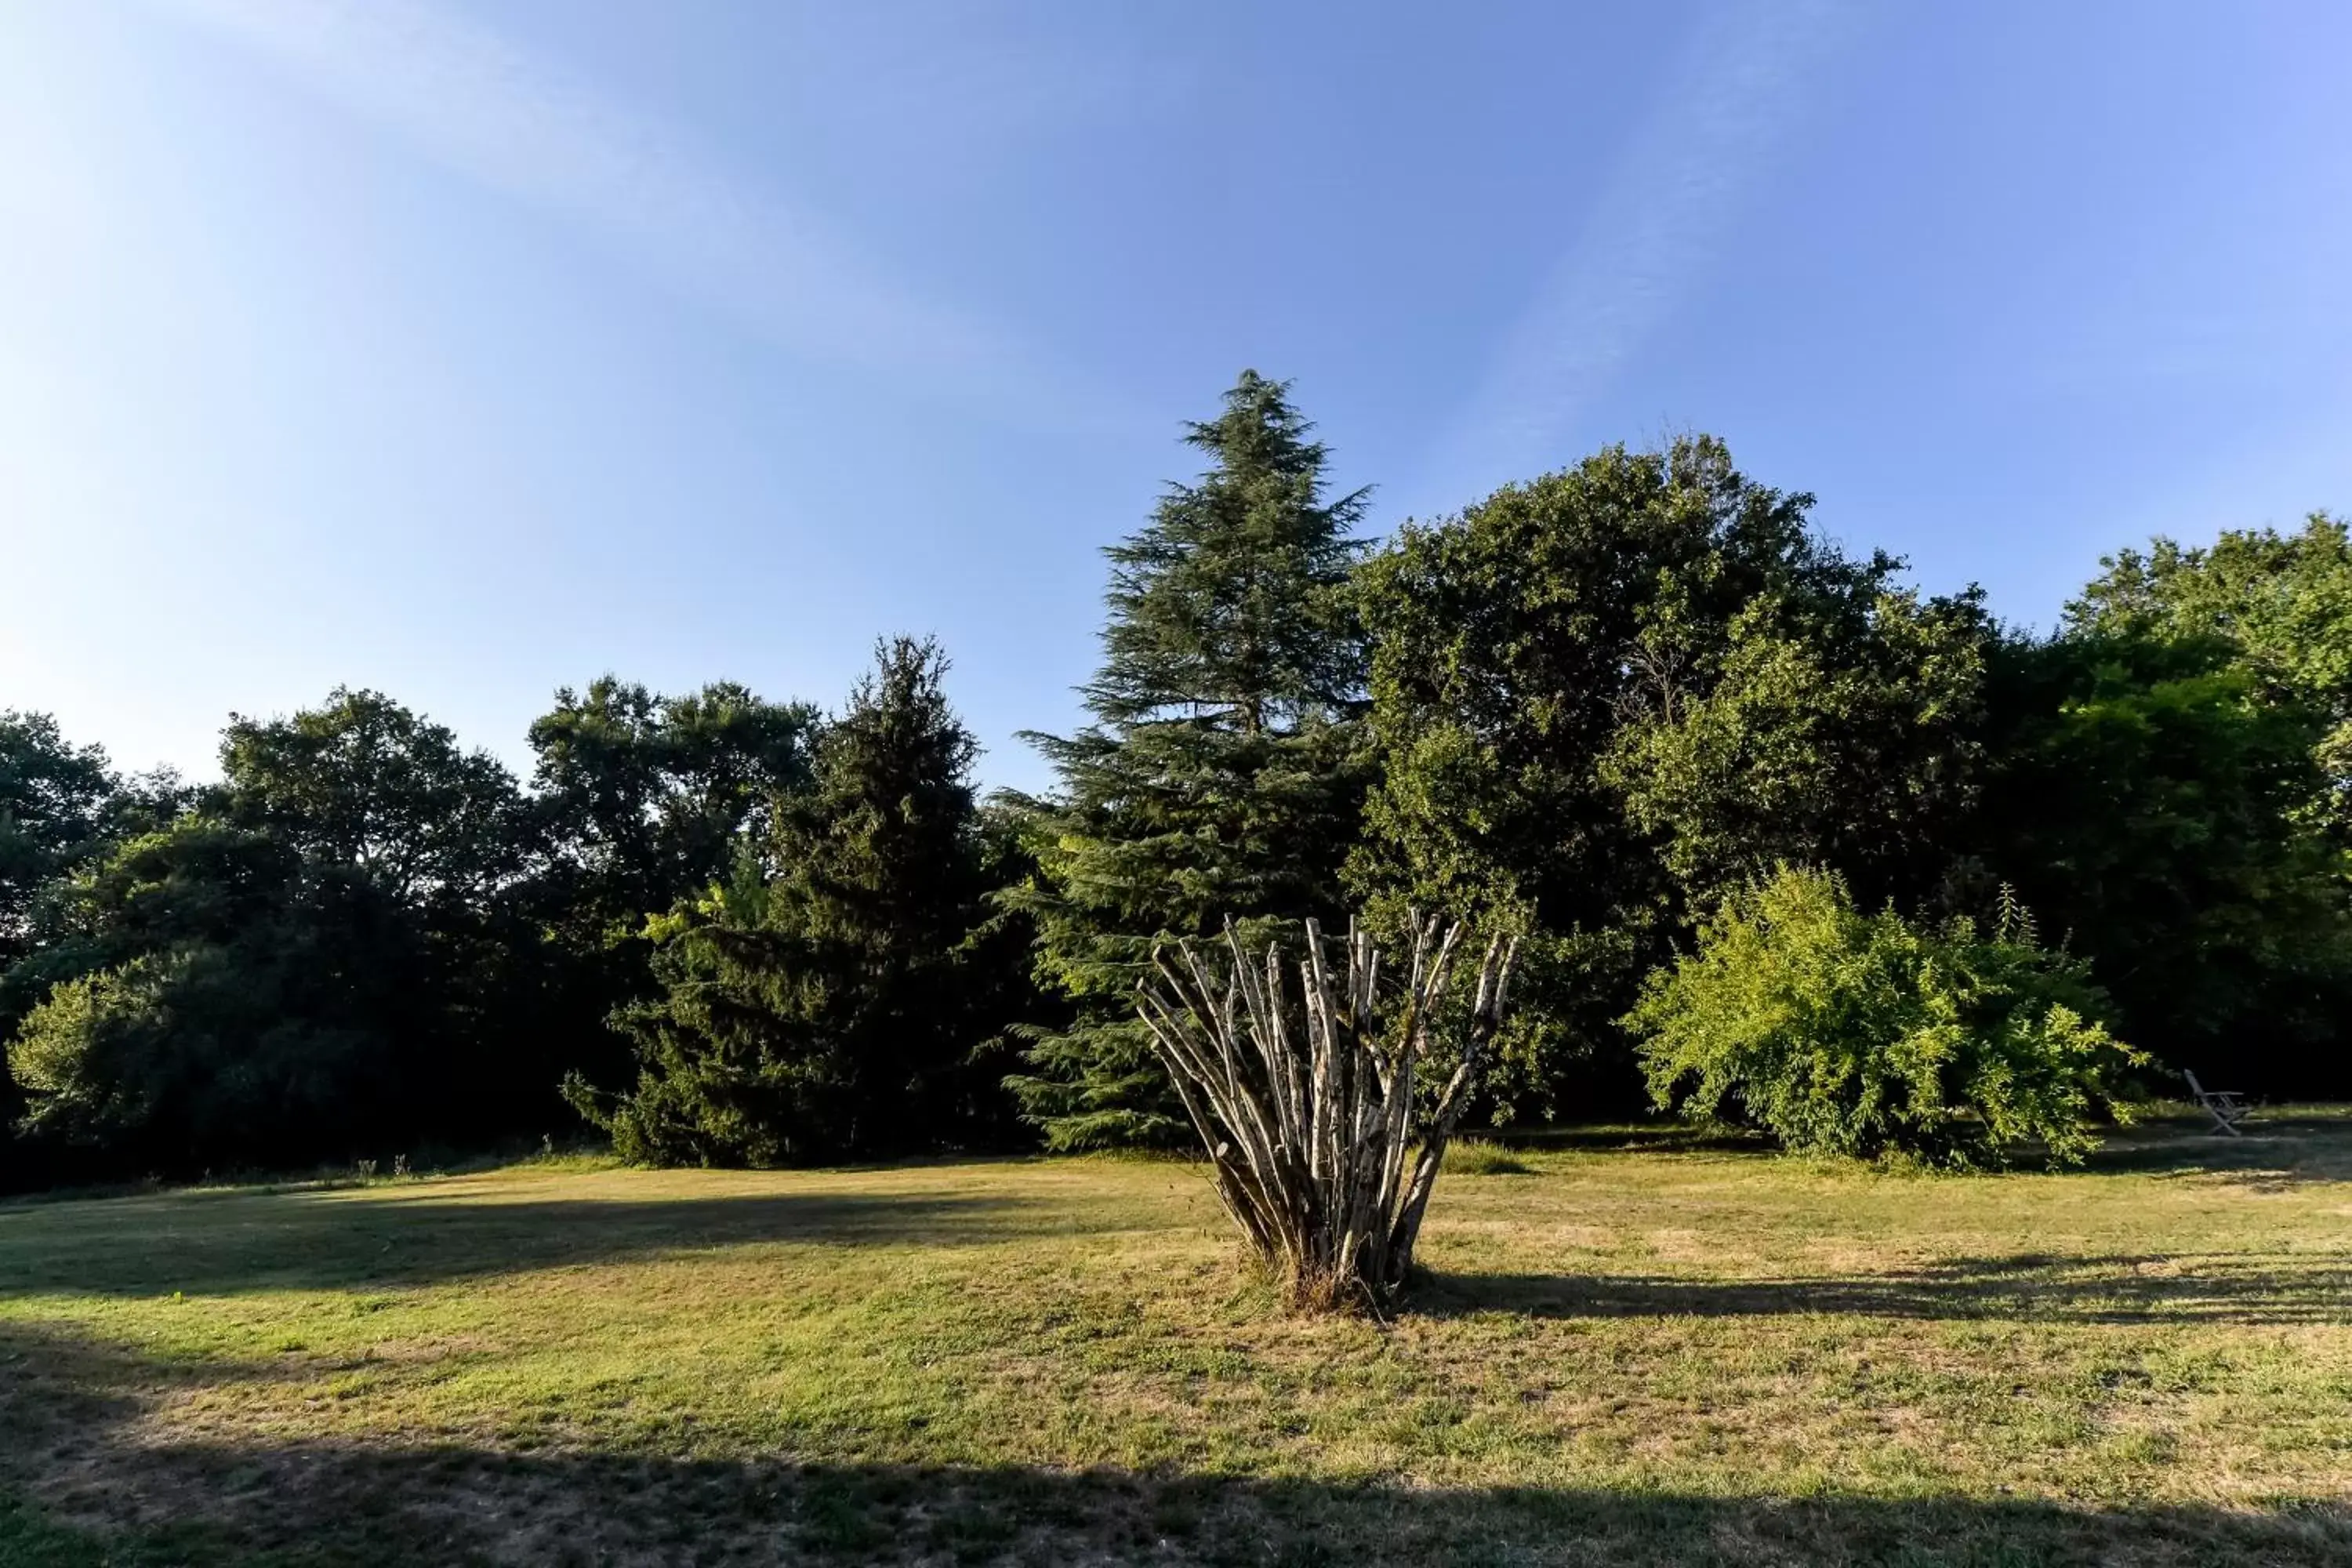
x=1868 y=1035
x=61 y=1054
x=192 y=1058
x=217 y=1003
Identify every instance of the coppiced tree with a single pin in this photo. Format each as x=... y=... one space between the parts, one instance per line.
x=1324 y=1135
x=1222 y=772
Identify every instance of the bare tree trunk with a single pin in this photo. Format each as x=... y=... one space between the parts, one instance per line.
x=1307 y=1107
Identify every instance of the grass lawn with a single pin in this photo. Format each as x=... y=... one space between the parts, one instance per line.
x=1636 y=1350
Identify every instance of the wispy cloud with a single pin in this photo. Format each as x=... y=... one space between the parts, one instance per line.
x=1729 y=106
x=488 y=109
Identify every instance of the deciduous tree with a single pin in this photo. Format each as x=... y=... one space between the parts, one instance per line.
x=1599 y=696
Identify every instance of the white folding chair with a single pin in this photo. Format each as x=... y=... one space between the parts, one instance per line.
x=2227 y=1107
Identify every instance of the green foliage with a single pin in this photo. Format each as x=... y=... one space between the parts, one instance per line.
x=52 y=805
x=364 y=783
x=2152 y=800
x=68 y=1052
x=217 y=1003
x=1840 y=727
x=1222 y=771
x=53 y=799
x=2281 y=603
x=324 y=960
x=363 y=789
x=1588 y=709
x=825 y=1001
x=1867 y=1035
x=646 y=798
x=640 y=800
x=2174 y=788
x=1600 y=697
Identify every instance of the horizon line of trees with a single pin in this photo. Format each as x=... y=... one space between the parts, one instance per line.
x=1602 y=709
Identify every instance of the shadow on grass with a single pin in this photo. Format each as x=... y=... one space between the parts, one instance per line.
x=216 y=1243
x=82 y=1486
x=206 y=1506
x=2278 y=1146
x=2231 y=1287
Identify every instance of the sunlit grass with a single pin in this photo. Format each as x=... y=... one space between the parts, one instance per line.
x=1631 y=1348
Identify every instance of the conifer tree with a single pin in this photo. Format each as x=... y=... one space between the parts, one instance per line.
x=1221 y=775
x=825 y=1002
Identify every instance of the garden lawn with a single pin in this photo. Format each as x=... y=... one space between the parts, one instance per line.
x=1639 y=1349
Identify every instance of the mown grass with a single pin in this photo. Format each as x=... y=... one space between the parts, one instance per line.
x=1631 y=1349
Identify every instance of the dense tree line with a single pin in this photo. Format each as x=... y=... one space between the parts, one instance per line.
x=1636 y=709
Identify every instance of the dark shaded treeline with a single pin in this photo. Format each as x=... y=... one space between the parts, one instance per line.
x=731 y=930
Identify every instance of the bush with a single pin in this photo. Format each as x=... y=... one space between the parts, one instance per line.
x=61 y=1054
x=212 y=1003
x=192 y=1059
x=1870 y=1035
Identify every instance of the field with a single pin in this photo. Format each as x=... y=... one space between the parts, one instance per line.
x=1633 y=1348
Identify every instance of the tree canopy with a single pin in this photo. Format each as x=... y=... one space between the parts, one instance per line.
x=1637 y=711
x=1603 y=697
x=825 y=999
x=53 y=799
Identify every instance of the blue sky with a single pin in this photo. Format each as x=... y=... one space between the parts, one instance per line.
x=468 y=351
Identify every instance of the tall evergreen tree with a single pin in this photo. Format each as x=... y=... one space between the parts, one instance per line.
x=825 y=1002
x=1221 y=773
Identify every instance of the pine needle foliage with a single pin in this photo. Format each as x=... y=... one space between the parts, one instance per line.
x=1222 y=772
x=824 y=1002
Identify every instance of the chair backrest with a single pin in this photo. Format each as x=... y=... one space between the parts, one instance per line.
x=2194 y=1087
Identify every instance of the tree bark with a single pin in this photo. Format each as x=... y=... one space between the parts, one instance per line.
x=1307 y=1105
